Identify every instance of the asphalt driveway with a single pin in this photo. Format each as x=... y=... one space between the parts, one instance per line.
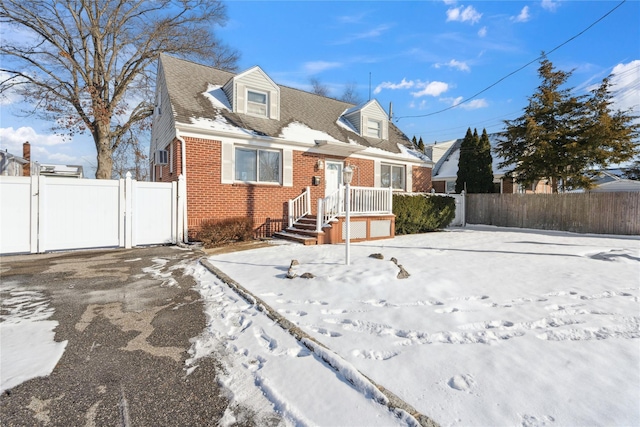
x=128 y=317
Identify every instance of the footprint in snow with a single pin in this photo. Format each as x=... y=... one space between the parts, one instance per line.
x=265 y=340
x=462 y=382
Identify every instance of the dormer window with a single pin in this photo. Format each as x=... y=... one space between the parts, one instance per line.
x=257 y=103
x=374 y=128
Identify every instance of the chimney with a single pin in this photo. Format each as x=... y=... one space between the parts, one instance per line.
x=26 y=154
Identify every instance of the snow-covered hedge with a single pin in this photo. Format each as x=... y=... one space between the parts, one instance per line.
x=421 y=213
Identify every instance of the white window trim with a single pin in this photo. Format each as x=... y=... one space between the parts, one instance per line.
x=257 y=149
x=266 y=103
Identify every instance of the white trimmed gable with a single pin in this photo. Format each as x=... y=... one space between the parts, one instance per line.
x=369 y=119
x=253 y=92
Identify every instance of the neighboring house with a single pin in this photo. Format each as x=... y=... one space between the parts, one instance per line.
x=445 y=170
x=610 y=180
x=246 y=146
x=11 y=165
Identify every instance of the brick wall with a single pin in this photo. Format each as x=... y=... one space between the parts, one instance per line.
x=265 y=204
x=421 y=179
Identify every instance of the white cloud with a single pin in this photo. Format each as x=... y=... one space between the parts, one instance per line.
x=373 y=33
x=449 y=2
x=474 y=104
x=462 y=66
x=404 y=84
x=482 y=32
x=315 y=67
x=523 y=16
x=463 y=14
x=426 y=88
x=14 y=138
x=625 y=83
x=550 y=5
x=430 y=89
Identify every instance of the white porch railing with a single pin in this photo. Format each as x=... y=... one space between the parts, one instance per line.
x=300 y=206
x=364 y=200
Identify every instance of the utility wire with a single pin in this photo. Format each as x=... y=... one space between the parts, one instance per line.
x=519 y=69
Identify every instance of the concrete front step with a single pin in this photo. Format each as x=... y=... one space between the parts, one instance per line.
x=296 y=237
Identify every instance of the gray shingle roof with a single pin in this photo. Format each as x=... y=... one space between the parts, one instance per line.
x=186 y=81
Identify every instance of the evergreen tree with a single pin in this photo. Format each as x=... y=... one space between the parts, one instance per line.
x=465 y=162
x=563 y=137
x=414 y=142
x=475 y=172
x=421 y=145
x=483 y=179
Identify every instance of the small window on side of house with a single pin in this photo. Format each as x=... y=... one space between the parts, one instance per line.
x=374 y=128
x=451 y=187
x=257 y=103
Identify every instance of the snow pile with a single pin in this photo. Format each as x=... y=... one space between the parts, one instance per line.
x=493 y=327
x=27 y=346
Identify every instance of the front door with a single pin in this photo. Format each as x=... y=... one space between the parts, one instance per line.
x=332 y=177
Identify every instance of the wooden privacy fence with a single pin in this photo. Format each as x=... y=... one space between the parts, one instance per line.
x=600 y=213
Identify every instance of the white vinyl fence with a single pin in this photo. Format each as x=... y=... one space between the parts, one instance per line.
x=460 y=219
x=40 y=214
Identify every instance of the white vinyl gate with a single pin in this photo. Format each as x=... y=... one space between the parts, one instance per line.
x=460 y=219
x=40 y=214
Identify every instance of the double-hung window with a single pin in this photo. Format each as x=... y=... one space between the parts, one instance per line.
x=392 y=176
x=257 y=103
x=374 y=128
x=253 y=165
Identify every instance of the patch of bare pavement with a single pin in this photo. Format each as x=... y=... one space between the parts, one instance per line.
x=128 y=317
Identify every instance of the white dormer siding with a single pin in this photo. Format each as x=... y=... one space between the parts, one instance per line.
x=370 y=120
x=253 y=92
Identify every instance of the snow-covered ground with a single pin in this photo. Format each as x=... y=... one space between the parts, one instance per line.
x=493 y=327
x=27 y=347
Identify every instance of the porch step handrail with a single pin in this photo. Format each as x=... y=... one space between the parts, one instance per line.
x=364 y=200
x=330 y=208
x=300 y=206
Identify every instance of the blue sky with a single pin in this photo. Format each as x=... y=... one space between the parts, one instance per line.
x=423 y=56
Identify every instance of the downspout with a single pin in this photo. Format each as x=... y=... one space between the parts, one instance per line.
x=183 y=163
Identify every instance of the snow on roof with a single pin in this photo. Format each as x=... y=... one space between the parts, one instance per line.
x=218 y=98
x=300 y=132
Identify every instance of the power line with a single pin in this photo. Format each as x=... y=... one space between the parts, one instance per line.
x=519 y=69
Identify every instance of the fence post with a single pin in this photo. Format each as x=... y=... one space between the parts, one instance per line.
x=319 y=217
x=128 y=226
x=42 y=222
x=35 y=208
x=308 y=201
x=464 y=207
x=290 y=211
x=390 y=200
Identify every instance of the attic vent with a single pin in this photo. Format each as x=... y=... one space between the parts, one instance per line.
x=162 y=157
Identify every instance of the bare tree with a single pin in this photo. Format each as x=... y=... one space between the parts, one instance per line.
x=351 y=94
x=318 y=87
x=130 y=157
x=87 y=65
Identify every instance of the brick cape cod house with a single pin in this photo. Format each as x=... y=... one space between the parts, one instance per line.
x=248 y=147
